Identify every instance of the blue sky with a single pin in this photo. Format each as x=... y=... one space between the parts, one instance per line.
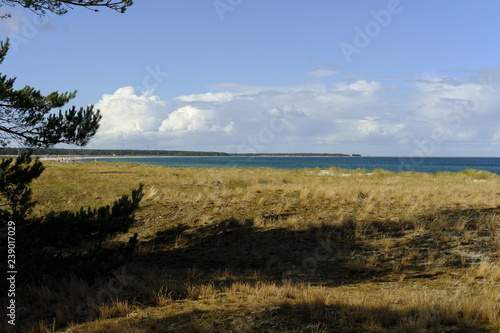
x=406 y=78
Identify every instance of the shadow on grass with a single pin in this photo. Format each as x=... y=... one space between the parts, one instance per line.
x=320 y=254
x=327 y=255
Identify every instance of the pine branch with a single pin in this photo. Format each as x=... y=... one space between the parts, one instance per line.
x=60 y=7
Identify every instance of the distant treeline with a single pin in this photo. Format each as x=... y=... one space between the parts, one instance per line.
x=107 y=152
x=133 y=152
x=297 y=154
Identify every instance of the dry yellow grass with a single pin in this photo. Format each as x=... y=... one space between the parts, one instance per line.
x=263 y=250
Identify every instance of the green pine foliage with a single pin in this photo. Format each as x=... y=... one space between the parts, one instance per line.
x=59 y=243
x=60 y=229
x=15 y=195
x=66 y=243
x=28 y=117
x=62 y=243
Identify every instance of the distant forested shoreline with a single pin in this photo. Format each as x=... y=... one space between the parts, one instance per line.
x=134 y=152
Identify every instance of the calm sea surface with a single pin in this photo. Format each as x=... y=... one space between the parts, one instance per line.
x=418 y=164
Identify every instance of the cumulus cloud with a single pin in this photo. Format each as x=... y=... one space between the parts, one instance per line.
x=129 y=115
x=192 y=119
x=365 y=115
x=373 y=126
x=135 y=120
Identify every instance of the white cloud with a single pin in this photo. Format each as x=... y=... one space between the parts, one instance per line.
x=222 y=97
x=437 y=97
x=192 y=119
x=238 y=87
x=366 y=116
x=455 y=111
x=361 y=86
x=257 y=119
x=127 y=114
x=285 y=111
x=369 y=129
x=368 y=126
x=322 y=73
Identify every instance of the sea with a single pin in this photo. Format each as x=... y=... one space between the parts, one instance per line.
x=368 y=164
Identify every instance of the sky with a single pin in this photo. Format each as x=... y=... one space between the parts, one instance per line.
x=380 y=77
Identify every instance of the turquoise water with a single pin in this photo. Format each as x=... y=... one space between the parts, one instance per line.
x=397 y=164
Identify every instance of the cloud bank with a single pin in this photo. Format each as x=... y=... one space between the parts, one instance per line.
x=426 y=116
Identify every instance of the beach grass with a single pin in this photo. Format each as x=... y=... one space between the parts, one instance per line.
x=267 y=250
